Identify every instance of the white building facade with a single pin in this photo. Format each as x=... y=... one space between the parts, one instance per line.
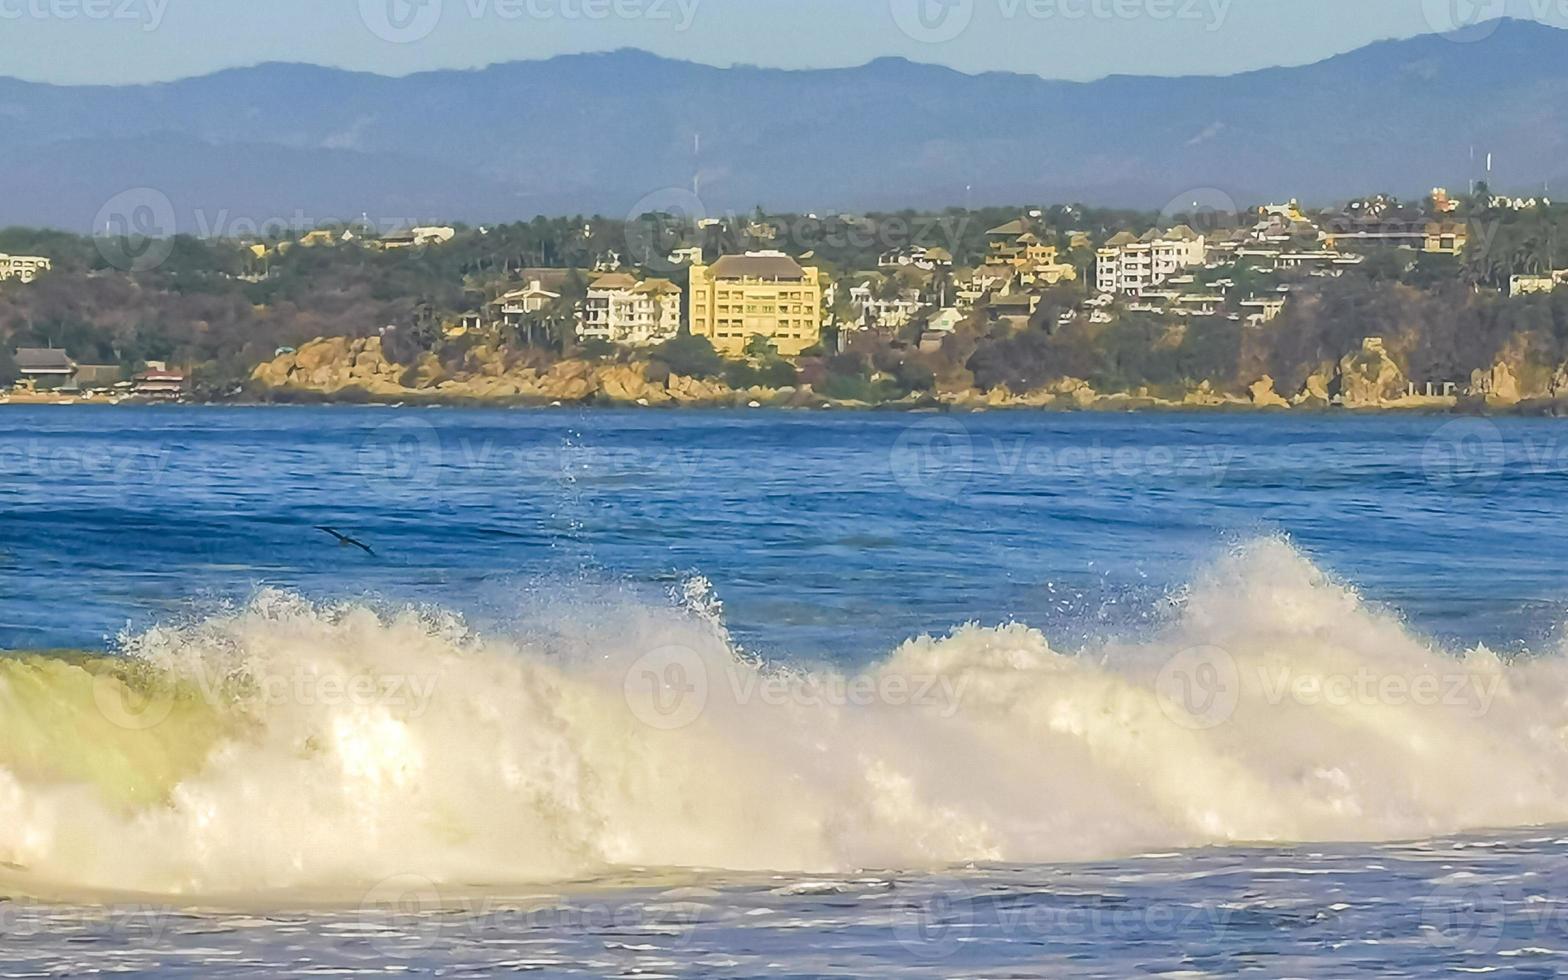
x=623 y=310
x=25 y=268
x=1131 y=265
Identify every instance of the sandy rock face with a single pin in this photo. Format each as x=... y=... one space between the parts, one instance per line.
x=629 y=383
x=696 y=391
x=1314 y=391
x=1264 y=395
x=1557 y=386
x=320 y=353
x=1075 y=390
x=428 y=371
x=1369 y=378
x=274 y=373
x=1499 y=385
x=1204 y=396
x=330 y=365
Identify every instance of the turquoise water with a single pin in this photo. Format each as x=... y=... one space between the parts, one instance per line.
x=782 y=694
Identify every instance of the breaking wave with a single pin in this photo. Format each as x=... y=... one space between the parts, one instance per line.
x=290 y=745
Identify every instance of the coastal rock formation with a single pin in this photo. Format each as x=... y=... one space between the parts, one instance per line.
x=1499 y=386
x=629 y=383
x=340 y=365
x=357 y=369
x=1369 y=378
x=1204 y=396
x=331 y=365
x=1557 y=384
x=1079 y=392
x=695 y=391
x=1263 y=394
x=1314 y=391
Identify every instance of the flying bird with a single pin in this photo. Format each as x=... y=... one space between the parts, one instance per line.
x=347 y=542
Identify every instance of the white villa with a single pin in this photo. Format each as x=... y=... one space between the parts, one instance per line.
x=622 y=309
x=945 y=320
x=1263 y=310
x=997 y=280
x=518 y=305
x=1130 y=265
x=884 y=313
x=1525 y=285
x=25 y=268
x=419 y=236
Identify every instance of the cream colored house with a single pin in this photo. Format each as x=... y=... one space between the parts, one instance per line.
x=997 y=280
x=1525 y=285
x=517 y=306
x=622 y=309
x=879 y=312
x=1446 y=237
x=25 y=268
x=1016 y=245
x=417 y=237
x=1130 y=265
x=766 y=294
x=1263 y=310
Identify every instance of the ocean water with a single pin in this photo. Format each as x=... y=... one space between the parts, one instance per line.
x=759 y=693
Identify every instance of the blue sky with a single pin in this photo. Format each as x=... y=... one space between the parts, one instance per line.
x=114 y=41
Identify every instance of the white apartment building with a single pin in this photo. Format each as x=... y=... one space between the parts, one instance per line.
x=623 y=310
x=884 y=312
x=23 y=267
x=1130 y=265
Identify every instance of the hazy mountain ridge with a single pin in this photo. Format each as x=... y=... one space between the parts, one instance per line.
x=599 y=132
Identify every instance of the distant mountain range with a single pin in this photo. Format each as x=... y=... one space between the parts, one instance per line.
x=601 y=132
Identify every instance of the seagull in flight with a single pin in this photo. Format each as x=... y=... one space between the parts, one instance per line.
x=346 y=541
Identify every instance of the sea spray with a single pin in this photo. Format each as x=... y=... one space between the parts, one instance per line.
x=292 y=745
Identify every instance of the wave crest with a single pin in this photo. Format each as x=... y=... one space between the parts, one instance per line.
x=293 y=745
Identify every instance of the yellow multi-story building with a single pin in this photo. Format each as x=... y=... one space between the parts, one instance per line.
x=766 y=294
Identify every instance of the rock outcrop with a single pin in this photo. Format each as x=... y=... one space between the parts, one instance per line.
x=1498 y=386
x=339 y=365
x=1263 y=394
x=1314 y=391
x=1204 y=396
x=331 y=366
x=355 y=369
x=1369 y=378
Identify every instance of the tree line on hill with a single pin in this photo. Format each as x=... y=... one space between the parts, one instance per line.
x=219 y=308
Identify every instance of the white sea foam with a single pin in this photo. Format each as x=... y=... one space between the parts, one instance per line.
x=289 y=745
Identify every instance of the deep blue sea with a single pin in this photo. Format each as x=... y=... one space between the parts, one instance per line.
x=824 y=534
x=761 y=693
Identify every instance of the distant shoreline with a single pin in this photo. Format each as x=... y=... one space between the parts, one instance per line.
x=1107 y=405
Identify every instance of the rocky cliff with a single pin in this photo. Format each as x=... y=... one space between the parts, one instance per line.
x=1370 y=378
x=347 y=369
